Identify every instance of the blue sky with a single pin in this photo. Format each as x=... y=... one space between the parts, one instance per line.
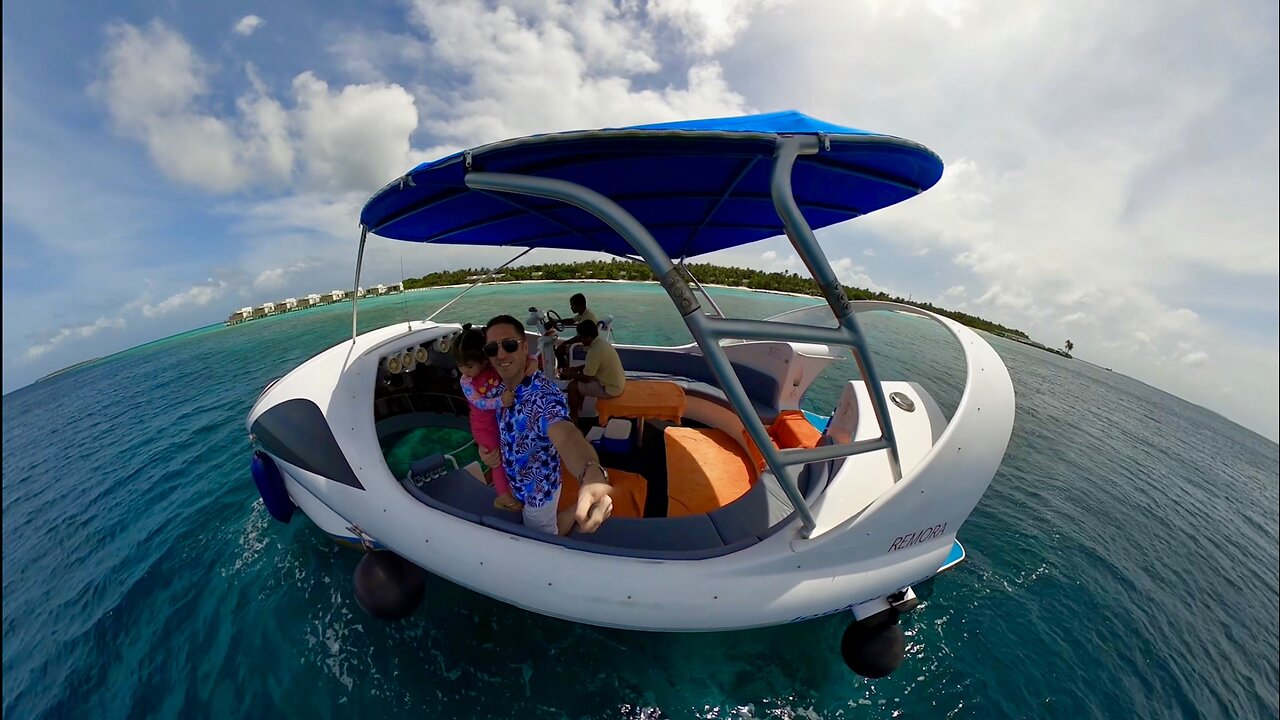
x=1112 y=168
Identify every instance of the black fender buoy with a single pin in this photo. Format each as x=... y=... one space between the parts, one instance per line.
x=874 y=646
x=271 y=487
x=389 y=587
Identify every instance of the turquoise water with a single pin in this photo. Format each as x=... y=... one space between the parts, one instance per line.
x=1123 y=563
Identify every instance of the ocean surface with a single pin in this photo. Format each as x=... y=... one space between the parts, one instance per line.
x=1122 y=564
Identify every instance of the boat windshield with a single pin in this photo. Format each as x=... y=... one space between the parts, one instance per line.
x=814 y=315
x=904 y=347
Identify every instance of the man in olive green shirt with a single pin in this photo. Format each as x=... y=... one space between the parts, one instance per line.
x=601 y=377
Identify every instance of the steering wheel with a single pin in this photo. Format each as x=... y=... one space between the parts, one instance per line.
x=554 y=321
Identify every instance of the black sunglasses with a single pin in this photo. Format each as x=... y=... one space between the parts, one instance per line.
x=510 y=345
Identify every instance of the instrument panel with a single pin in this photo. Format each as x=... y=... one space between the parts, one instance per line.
x=408 y=359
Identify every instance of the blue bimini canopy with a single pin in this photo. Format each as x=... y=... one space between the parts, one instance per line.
x=698 y=186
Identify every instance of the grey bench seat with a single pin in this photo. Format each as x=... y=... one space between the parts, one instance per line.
x=687 y=538
x=759 y=513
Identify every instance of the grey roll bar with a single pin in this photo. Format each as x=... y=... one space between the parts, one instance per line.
x=708 y=331
x=355 y=291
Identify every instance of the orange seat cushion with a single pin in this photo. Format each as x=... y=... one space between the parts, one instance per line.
x=655 y=399
x=629 y=492
x=791 y=429
x=706 y=469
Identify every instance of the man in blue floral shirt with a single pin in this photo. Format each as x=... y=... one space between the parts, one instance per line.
x=536 y=436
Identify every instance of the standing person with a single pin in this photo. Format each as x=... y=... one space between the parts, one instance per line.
x=578 y=304
x=482 y=387
x=536 y=437
x=601 y=377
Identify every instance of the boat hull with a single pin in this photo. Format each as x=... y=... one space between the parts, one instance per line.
x=875 y=535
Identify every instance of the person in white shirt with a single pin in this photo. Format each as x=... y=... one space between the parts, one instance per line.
x=578 y=304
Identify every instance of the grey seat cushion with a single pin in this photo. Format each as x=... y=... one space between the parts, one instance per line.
x=458 y=492
x=765 y=508
x=695 y=532
x=761 y=388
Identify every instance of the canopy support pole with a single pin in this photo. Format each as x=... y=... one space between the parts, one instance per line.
x=355 y=290
x=803 y=240
x=705 y=294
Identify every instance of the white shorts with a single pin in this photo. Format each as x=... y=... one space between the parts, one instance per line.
x=543 y=517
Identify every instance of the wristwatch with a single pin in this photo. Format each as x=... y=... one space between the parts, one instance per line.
x=582 y=476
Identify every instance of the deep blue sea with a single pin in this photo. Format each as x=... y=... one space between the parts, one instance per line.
x=1123 y=563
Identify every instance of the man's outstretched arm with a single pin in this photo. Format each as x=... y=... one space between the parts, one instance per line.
x=595 y=505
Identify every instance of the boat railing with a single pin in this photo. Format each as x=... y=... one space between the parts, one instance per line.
x=455 y=299
x=794 y=311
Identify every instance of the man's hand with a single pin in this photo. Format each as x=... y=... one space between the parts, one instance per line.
x=594 y=506
x=491 y=457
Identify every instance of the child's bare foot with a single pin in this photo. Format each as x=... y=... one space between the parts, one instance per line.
x=507 y=501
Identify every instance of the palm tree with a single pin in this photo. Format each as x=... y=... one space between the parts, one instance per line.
x=1069 y=345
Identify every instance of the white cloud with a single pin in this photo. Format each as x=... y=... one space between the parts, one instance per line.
x=1000 y=296
x=272 y=279
x=709 y=27
x=281 y=277
x=953 y=12
x=1196 y=357
x=154 y=87
x=150 y=73
x=266 y=141
x=248 y=24
x=528 y=70
x=198 y=296
x=64 y=335
x=354 y=138
x=850 y=273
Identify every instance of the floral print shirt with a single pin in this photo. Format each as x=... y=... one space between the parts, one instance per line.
x=530 y=459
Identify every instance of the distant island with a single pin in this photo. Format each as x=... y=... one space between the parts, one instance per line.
x=708 y=275
x=69 y=368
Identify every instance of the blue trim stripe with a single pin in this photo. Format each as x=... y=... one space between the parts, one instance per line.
x=352 y=540
x=817 y=420
x=954 y=558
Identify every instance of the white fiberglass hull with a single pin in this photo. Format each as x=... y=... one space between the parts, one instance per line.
x=873 y=536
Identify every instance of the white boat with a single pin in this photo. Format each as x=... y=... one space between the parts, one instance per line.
x=849 y=523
